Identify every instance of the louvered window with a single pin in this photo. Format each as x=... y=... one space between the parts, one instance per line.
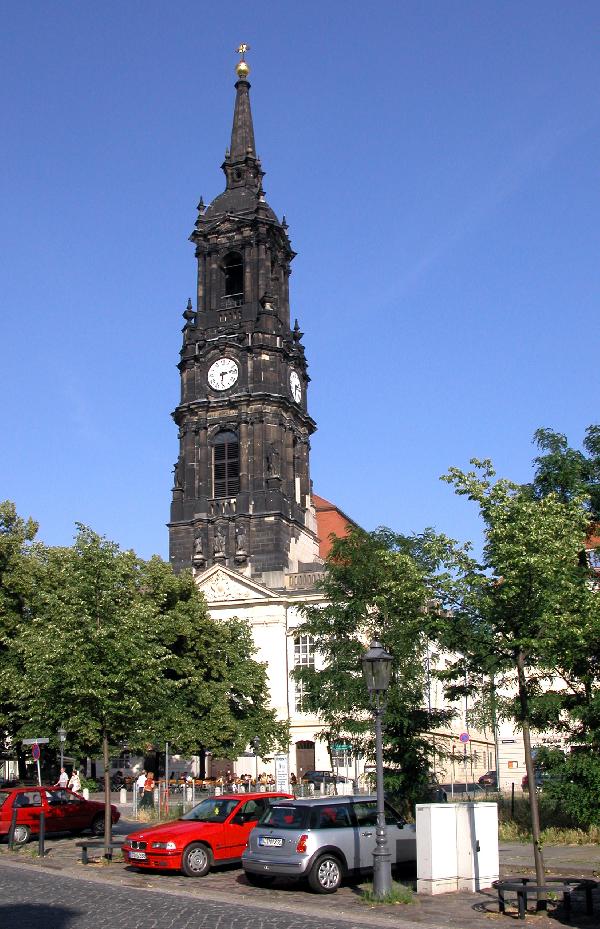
x=226 y=465
x=233 y=280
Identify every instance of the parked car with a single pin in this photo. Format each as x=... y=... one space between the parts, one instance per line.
x=215 y=831
x=489 y=779
x=317 y=778
x=64 y=811
x=323 y=839
x=541 y=778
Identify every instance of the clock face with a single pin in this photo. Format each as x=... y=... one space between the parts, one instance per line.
x=295 y=387
x=223 y=374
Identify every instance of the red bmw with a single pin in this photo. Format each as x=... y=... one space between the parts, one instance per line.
x=213 y=832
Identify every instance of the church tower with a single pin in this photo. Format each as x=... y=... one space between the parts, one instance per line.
x=242 y=490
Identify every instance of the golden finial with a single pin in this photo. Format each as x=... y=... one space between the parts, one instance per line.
x=241 y=69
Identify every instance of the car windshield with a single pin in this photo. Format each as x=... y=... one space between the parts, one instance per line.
x=3 y=797
x=212 y=810
x=285 y=817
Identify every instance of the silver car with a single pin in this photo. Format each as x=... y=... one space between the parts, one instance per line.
x=323 y=840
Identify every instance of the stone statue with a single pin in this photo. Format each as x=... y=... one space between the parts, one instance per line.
x=177 y=474
x=198 y=558
x=240 y=541
x=273 y=461
x=219 y=546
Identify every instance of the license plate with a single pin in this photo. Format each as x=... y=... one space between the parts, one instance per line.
x=270 y=841
x=138 y=856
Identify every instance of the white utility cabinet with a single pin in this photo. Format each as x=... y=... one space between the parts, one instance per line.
x=457 y=846
x=437 y=861
x=477 y=834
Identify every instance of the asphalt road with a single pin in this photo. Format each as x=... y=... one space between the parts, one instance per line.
x=42 y=900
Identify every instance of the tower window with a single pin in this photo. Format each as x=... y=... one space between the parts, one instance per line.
x=233 y=283
x=226 y=465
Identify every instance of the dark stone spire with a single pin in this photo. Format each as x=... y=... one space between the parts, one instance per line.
x=242 y=131
x=241 y=166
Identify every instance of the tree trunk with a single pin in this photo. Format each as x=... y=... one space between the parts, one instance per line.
x=21 y=757
x=107 y=810
x=538 y=855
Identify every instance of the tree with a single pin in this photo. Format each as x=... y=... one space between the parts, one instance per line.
x=516 y=612
x=120 y=650
x=568 y=472
x=377 y=585
x=17 y=580
x=222 y=691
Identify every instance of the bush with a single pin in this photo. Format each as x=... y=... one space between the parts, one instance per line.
x=574 y=786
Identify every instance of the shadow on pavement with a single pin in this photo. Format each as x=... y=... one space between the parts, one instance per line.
x=36 y=916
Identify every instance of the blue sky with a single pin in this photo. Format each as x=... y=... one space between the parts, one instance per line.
x=438 y=164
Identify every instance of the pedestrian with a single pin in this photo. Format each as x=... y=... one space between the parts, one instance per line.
x=74 y=782
x=148 y=796
x=140 y=784
x=63 y=779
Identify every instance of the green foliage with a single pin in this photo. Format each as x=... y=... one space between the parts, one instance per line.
x=568 y=472
x=17 y=581
x=399 y=893
x=378 y=584
x=529 y=599
x=109 y=645
x=573 y=784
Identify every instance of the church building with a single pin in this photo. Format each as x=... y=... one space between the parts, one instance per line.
x=243 y=513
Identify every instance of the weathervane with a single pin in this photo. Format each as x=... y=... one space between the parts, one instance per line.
x=242 y=69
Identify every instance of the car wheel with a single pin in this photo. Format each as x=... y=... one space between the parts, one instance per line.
x=196 y=860
x=325 y=875
x=97 y=826
x=259 y=880
x=21 y=835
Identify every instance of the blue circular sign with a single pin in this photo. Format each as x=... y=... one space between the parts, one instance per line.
x=35 y=751
x=464 y=737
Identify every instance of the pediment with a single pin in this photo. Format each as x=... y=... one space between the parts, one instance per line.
x=220 y=584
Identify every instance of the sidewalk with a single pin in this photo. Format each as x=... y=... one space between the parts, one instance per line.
x=228 y=885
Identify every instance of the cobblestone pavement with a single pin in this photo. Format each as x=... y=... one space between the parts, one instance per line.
x=230 y=899
x=57 y=901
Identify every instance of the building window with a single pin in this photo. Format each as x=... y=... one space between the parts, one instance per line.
x=233 y=280
x=226 y=465
x=304 y=657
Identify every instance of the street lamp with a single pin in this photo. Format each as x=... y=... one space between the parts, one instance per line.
x=62 y=738
x=377 y=670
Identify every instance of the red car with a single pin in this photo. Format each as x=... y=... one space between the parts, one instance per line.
x=213 y=832
x=64 y=812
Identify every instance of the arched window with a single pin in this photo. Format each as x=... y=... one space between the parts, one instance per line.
x=226 y=465
x=233 y=280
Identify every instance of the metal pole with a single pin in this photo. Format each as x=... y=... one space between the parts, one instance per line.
x=167 y=783
x=382 y=868
x=42 y=835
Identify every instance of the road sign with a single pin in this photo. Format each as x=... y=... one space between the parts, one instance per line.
x=341 y=747
x=35 y=741
x=35 y=751
x=464 y=737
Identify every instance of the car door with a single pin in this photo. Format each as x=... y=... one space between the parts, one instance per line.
x=337 y=828
x=60 y=813
x=242 y=823
x=29 y=807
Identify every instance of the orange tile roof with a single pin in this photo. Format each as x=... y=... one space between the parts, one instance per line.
x=330 y=521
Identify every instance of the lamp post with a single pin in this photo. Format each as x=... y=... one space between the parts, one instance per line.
x=377 y=669
x=62 y=738
x=255 y=744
